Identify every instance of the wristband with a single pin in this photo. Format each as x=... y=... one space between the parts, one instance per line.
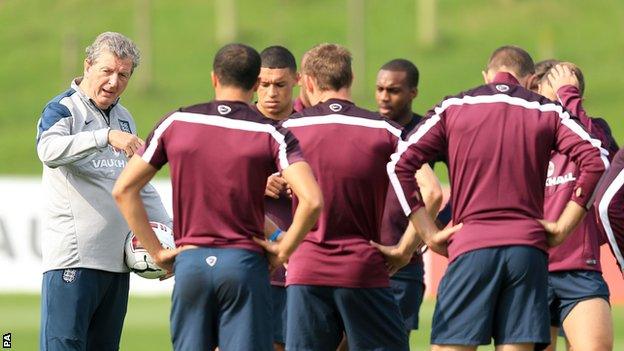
x=276 y=234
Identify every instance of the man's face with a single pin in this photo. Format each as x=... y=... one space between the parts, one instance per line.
x=106 y=78
x=394 y=96
x=275 y=90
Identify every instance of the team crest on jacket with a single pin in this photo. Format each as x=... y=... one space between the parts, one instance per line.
x=69 y=275
x=211 y=260
x=502 y=88
x=335 y=107
x=551 y=169
x=223 y=109
x=125 y=126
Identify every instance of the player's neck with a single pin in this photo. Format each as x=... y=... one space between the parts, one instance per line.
x=404 y=118
x=278 y=117
x=342 y=94
x=233 y=94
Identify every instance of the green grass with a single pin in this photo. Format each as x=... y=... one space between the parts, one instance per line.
x=147 y=323
x=44 y=42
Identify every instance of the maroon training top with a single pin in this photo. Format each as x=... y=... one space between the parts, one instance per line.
x=581 y=250
x=610 y=207
x=280 y=212
x=348 y=149
x=497 y=139
x=395 y=222
x=220 y=155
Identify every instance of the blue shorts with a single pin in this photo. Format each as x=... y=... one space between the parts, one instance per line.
x=498 y=293
x=278 y=297
x=408 y=290
x=567 y=288
x=221 y=297
x=82 y=309
x=318 y=316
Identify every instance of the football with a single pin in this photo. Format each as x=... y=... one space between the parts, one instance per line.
x=137 y=258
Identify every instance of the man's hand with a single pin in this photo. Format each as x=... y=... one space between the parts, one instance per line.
x=555 y=234
x=395 y=257
x=276 y=185
x=568 y=220
x=438 y=242
x=560 y=76
x=127 y=142
x=274 y=254
x=164 y=258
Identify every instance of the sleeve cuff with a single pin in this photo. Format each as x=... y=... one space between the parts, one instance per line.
x=101 y=137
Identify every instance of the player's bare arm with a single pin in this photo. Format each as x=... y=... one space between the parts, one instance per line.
x=421 y=228
x=569 y=219
x=127 y=194
x=303 y=184
x=430 y=190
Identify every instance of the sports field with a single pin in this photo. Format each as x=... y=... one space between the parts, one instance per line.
x=44 y=45
x=147 y=323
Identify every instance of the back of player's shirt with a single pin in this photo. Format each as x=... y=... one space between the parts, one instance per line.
x=609 y=206
x=220 y=155
x=348 y=149
x=497 y=139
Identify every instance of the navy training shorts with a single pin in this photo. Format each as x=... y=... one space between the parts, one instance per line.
x=278 y=297
x=318 y=316
x=567 y=288
x=408 y=288
x=221 y=297
x=498 y=293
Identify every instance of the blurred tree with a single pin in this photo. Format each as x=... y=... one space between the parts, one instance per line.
x=225 y=21
x=143 y=29
x=427 y=23
x=357 y=43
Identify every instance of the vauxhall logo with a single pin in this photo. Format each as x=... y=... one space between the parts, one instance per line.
x=557 y=180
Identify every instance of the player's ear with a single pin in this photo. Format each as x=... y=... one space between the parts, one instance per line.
x=255 y=87
x=214 y=79
x=485 y=77
x=414 y=93
x=531 y=82
x=87 y=66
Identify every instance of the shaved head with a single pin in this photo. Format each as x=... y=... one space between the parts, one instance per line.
x=512 y=58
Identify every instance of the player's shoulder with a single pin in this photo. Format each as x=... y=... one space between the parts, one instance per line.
x=236 y=110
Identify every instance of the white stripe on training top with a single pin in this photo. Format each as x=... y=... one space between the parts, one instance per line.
x=603 y=210
x=482 y=99
x=217 y=121
x=342 y=119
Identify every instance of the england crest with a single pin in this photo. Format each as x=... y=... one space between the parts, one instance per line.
x=125 y=126
x=69 y=275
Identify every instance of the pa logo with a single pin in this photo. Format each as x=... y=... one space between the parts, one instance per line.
x=6 y=341
x=223 y=109
x=69 y=275
x=502 y=88
x=211 y=260
x=551 y=169
x=335 y=107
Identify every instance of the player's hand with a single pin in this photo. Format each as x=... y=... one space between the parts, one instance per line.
x=164 y=258
x=438 y=242
x=274 y=254
x=561 y=75
x=128 y=143
x=276 y=185
x=396 y=258
x=555 y=235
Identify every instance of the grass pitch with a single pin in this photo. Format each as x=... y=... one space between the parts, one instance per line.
x=147 y=323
